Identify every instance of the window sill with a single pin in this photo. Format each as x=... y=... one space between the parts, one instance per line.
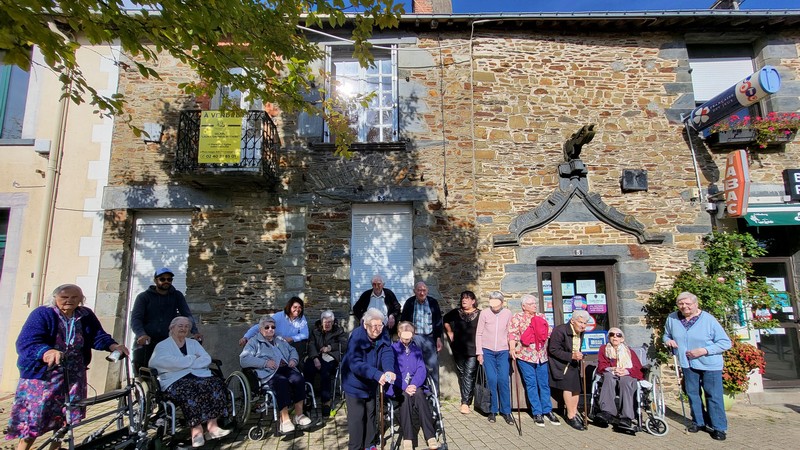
x=362 y=146
x=17 y=142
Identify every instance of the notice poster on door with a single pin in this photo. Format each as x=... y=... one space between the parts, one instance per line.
x=592 y=341
x=547 y=286
x=567 y=305
x=585 y=286
x=596 y=303
x=567 y=289
x=548 y=302
x=779 y=284
x=550 y=319
x=578 y=303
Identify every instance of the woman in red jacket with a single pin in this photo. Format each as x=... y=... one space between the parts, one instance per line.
x=620 y=369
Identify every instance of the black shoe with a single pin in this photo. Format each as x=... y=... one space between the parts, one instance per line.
x=718 y=435
x=326 y=411
x=491 y=418
x=693 y=428
x=625 y=423
x=509 y=419
x=552 y=418
x=538 y=420
x=576 y=423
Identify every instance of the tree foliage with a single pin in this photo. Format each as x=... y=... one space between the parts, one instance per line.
x=210 y=36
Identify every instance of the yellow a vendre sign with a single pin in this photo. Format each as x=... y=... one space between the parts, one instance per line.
x=220 y=137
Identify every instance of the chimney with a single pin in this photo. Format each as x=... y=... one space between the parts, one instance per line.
x=431 y=7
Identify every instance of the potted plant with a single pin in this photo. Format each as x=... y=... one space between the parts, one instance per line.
x=740 y=361
x=774 y=128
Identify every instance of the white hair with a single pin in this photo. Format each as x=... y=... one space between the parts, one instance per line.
x=327 y=314
x=264 y=320
x=529 y=299
x=581 y=314
x=687 y=296
x=373 y=314
x=64 y=287
x=377 y=279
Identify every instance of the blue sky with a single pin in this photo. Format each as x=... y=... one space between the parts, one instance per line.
x=482 y=6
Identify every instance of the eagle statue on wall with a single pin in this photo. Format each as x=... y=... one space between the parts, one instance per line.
x=573 y=145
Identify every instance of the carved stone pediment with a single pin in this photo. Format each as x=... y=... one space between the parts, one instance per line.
x=573 y=183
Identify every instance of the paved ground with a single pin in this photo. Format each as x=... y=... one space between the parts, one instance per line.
x=774 y=426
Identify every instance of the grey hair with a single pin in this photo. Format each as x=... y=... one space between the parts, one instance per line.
x=686 y=295
x=64 y=287
x=581 y=314
x=175 y=321
x=377 y=279
x=529 y=299
x=264 y=320
x=373 y=314
x=327 y=314
x=616 y=330
x=497 y=294
x=418 y=284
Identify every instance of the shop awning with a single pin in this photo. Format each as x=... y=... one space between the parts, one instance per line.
x=764 y=215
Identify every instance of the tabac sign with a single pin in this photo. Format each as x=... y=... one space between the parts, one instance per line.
x=737 y=183
x=220 y=138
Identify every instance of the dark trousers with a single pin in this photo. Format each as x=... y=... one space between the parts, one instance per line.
x=416 y=405
x=327 y=371
x=289 y=386
x=467 y=368
x=141 y=355
x=427 y=343
x=360 y=422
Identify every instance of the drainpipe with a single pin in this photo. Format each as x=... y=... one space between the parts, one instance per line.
x=51 y=179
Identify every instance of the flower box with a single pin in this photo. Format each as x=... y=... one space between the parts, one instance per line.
x=743 y=138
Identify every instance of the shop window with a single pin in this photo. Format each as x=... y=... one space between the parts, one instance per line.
x=13 y=95
x=375 y=121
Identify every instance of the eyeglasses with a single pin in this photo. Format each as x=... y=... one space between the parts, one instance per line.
x=269 y=327
x=619 y=335
x=163 y=279
x=377 y=326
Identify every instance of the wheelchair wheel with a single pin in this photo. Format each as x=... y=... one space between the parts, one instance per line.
x=255 y=433
x=239 y=388
x=141 y=408
x=659 y=406
x=656 y=426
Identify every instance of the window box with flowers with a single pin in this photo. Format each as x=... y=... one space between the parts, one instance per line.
x=772 y=129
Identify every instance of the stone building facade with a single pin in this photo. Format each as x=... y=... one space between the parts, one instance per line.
x=484 y=107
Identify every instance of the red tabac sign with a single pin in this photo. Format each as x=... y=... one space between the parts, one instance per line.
x=737 y=183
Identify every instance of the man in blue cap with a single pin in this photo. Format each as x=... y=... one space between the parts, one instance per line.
x=153 y=310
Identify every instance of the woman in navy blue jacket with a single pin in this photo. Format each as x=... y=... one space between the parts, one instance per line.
x=61 y=334
x=368 y=364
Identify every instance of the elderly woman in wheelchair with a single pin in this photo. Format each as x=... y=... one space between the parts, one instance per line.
x=620 y=370
x=185 y=378
x=409 y=391
x=275 y=363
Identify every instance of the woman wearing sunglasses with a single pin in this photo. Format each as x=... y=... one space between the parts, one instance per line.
x=275 y=362
x=621 y=370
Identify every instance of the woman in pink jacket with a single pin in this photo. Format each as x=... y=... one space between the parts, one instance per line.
x=491 y=344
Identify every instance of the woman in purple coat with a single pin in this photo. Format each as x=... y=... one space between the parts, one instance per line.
x=411 y=375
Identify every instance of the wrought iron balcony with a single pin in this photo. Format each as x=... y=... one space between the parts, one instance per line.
x=258 y=161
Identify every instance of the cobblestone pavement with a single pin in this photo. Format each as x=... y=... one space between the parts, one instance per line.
x=772 y=426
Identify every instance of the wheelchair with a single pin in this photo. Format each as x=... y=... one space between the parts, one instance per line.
x=162 y=413
x=252 y=395
x=390 y=411
x=649 y=408
x=127 y=420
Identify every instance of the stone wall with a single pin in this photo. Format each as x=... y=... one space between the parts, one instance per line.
x=485 y=139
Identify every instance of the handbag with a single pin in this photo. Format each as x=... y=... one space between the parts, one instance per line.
x=483 y=397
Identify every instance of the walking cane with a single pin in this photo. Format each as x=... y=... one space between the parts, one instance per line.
x=513 y=382
x=585 y=406
x=381 y=419
x=680 y=392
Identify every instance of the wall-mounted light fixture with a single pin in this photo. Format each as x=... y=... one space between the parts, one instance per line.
x=152 y=132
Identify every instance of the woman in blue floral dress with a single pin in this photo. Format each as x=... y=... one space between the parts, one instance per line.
x=54 y=348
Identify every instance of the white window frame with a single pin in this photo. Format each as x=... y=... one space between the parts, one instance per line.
x=239 y=97
x=388 y=127
x=714 y=73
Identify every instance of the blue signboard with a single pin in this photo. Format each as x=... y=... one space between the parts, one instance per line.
x=749 y=91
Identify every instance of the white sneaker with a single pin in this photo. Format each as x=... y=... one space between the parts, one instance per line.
x=286 y=427
x=302 y=420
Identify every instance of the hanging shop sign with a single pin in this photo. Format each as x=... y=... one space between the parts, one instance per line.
x=737 y=183
x=772 y=218
x=791 y=181
x=220 y=138
x=749 y=91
